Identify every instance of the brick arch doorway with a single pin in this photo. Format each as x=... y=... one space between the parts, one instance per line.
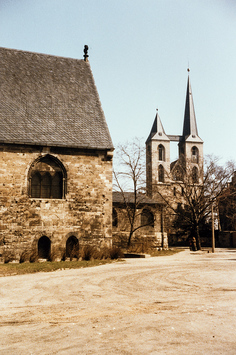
x=72 y=246
x=44 y=247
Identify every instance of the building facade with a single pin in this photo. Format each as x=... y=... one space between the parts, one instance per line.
x=55 y=156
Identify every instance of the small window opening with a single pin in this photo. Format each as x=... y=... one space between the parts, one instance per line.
x=161 y=175
x=161 y=152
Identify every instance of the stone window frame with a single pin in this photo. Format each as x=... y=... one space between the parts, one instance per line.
x=41 y=175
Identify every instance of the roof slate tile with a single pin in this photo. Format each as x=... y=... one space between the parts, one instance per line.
x=50 y=100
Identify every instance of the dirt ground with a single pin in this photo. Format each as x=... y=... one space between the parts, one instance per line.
x=180 y=304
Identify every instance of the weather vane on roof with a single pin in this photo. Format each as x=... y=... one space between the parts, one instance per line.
x=86 y=52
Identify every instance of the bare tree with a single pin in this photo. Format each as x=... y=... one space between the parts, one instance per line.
x=192 y=194
x=129 y=181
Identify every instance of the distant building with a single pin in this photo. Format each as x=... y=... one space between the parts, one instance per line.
x=55 y=156
x=161 y=173
x=149 y=224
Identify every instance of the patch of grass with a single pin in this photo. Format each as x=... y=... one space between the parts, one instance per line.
x=29 y=268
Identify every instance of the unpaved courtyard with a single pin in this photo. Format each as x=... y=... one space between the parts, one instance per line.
x=180 y=304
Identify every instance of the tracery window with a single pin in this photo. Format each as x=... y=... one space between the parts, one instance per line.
x=161 y=152
x=47 y=178
x=161 y=174
x=195 y=155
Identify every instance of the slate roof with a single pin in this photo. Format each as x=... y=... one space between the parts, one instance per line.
x=157 y=131
x=190 y=132
x=117 y=198
x=50 y=100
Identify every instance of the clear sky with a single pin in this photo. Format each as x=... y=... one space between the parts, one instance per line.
x=139 y=51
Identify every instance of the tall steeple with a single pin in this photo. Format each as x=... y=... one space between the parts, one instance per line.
x=157 y=131
x=190 y=131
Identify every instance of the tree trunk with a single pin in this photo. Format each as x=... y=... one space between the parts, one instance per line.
x=198 y=239
x=129 y=239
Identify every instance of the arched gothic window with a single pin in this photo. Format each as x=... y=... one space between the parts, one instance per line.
x=161 y=174
x=195 y=154
x=147 y=218
x=47 y=178
x=161 y=152
x=195 y=175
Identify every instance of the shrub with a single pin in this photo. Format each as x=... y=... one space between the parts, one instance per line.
x=75 y=252
x=115 y=253
x=87 y=252
x=33 y=256
x=24 y=256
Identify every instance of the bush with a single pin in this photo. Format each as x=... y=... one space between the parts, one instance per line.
x=115 y=253
x=87 y=252
x=25 y=256
x=33 y=256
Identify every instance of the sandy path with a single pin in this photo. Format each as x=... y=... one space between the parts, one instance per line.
x=181 y=304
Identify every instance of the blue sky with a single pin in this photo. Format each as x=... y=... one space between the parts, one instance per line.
x=139 y=51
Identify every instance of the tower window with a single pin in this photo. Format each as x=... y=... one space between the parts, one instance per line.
x=161 y=174
x=195 y=154
x=161 y=152
x=195 y=175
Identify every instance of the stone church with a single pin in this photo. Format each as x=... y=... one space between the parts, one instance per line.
x=55 y=156
x=160 y=171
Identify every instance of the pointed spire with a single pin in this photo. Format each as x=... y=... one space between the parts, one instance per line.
x=157 y=131
x=190 y=123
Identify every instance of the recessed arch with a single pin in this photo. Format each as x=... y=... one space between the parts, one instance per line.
x=44 y=247
x=72 y=245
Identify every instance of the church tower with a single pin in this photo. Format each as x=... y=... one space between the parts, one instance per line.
x=190 y=144
x=158 y=165
x=157 y=156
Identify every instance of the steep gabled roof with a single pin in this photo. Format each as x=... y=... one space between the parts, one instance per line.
x=50 y=100
x=190 y=131
x=157 y=131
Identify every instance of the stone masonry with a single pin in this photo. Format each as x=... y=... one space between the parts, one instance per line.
x=85 y=212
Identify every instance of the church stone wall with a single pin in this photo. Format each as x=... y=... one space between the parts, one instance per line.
x=85 y=212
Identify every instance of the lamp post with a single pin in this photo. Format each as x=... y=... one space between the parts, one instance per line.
x=212 y=230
